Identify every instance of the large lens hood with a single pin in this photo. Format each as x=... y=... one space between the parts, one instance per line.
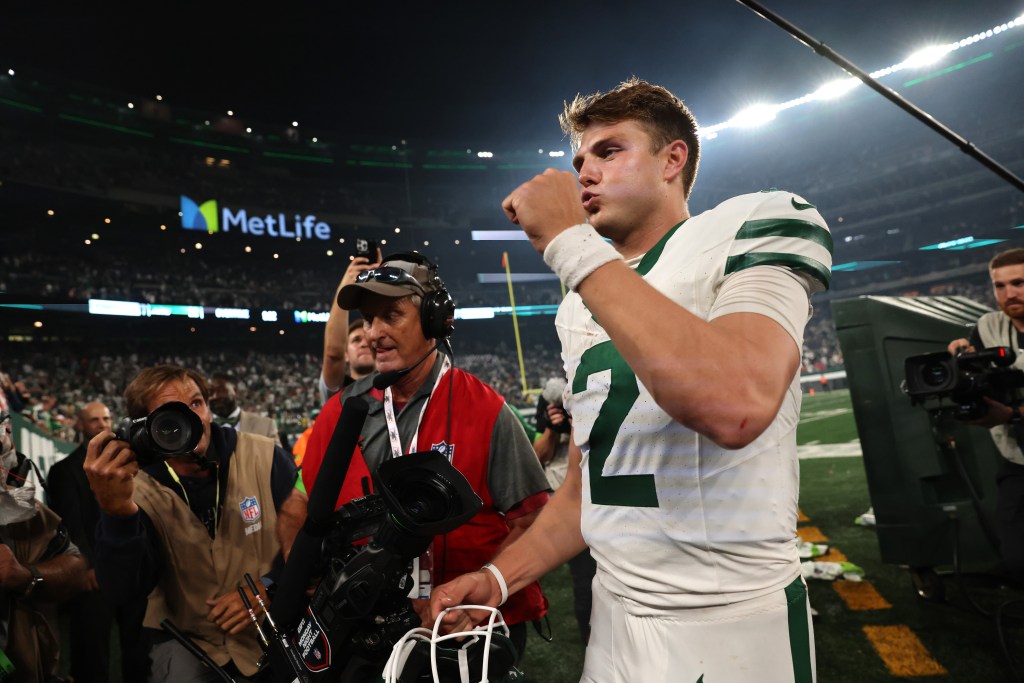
x=425 y=494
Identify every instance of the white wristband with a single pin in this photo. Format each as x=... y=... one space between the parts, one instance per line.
x=577 y=252
x=501 y=582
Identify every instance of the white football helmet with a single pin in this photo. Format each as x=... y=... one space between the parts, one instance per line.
x=485 y=653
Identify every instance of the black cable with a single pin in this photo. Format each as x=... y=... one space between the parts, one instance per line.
x=948 y=445
x=1010 y=661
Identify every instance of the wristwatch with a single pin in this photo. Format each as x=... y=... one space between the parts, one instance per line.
x=37 y=579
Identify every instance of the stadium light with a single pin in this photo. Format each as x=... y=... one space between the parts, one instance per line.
x=753 y=116
x=761 y=114
x=159 y=98
x=95 y=236
x=131 y=105
x=556 y=153
x=928 y=55
x=485 y=155
x=10 y=72
x=834 y=89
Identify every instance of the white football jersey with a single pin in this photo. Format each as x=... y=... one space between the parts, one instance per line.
x=674 y=520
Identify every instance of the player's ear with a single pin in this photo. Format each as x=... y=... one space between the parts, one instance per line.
x=675 y=155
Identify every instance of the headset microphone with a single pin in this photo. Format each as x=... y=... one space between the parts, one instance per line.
x=386 y=379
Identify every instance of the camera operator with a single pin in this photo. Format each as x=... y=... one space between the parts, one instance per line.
x=39 y=567
x=433 y=406
x=185 y=530
x=1005 y=327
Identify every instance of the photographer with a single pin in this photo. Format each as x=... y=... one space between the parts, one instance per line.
x=185 y=530
x=433 y=406
x=1005 y=327
x=39 y=567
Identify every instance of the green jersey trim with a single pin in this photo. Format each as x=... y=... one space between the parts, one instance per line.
x=814 y=268
x=786 y=227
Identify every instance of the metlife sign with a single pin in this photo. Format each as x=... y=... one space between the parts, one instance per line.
x=206 y=218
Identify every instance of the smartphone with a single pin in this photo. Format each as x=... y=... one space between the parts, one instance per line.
x=366 y=248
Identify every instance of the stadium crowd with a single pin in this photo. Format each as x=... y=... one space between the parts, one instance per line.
x=46 y=389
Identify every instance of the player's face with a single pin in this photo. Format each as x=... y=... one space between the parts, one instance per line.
x=623 y=184
x=1008 y=285
x=188 y=393
x=360 y=355
x=394 y=331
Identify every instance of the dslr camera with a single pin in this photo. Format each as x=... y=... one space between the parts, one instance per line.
x=170 y=430
x=966 y=379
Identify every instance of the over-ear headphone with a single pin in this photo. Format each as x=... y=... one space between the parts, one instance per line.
x=437 y=311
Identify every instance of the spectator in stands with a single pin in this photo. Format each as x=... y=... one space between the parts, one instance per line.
x=1005 y=327
x=163 y=526
x=92 y=616
x=227 y=412
x=39 y=567
x=333 y=376
x=433 y=406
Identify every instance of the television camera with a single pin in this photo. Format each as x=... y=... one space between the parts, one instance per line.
x=965 y=378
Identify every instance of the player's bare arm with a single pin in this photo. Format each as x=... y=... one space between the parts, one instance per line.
x=552 y=539
x=725 y=378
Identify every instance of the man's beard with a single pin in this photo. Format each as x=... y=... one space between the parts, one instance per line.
x=1017 y=314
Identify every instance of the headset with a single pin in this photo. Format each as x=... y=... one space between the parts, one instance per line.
x=437 y=311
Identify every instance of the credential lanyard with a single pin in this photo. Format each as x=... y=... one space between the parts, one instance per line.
x=184 y=492
x=389 y=414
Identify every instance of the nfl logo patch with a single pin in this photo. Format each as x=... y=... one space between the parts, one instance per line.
x=445 y=449
x=250 y=509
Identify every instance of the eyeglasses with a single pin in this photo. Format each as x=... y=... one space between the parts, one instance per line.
x=389 y=275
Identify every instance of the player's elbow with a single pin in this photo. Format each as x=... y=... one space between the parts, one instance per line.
x=731 y=424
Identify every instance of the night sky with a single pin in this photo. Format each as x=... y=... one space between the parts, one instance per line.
x=474 y=73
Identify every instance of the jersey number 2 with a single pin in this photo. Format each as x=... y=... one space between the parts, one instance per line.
x=632 y=490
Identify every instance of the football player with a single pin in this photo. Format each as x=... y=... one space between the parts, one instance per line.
x=681 y=340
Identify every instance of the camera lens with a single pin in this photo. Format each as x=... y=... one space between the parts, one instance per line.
x=935 y=374
x=170 y=432
x=426 y=501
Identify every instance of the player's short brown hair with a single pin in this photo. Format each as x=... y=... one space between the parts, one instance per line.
x=149 y=381
x=661 y=113
x=1010 y=257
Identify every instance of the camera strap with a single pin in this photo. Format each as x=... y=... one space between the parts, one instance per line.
x=389 y=414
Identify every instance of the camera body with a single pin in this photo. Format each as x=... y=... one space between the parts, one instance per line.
x=366 y=248
x=172 y=429
x=966 y=379
x=361 y=607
